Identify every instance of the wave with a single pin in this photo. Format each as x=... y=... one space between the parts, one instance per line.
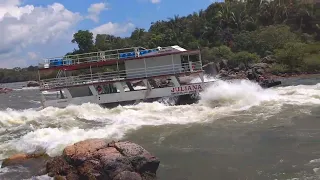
x=51 y=129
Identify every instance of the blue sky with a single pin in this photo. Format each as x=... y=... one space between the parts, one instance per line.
x=38 y=29
x=140 y=12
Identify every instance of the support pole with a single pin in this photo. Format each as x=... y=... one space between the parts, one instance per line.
x=145 y=67
x=118 y=69
x=172 y=64
x=90 y=72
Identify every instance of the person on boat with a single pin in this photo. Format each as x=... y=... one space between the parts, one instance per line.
x=99 y=89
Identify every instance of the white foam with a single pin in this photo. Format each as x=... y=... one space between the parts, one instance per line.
x=315 y=161
x=56 y=128
x=237 y=94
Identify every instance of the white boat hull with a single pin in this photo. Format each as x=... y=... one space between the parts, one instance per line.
x=129 y=97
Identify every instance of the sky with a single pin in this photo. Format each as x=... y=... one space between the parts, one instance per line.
x=31 y=30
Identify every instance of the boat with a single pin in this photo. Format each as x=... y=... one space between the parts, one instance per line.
x=121 y=76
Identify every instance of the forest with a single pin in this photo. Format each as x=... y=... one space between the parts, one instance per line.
x=237 y=31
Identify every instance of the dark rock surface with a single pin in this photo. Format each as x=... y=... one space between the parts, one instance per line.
x=97 y=159
x=28 y=165
x=32 y=84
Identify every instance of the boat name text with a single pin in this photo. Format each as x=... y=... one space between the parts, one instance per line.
x=186 y=89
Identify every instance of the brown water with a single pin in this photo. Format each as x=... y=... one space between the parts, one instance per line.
x=237 y=131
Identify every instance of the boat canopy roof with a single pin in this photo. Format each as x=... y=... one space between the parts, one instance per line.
x=109 y=57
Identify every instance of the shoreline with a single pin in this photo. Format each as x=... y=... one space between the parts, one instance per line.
x=287 y=76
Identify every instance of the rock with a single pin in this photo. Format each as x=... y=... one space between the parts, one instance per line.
x=223 y=73
x=127 y=175
x=140 y=158
x=31 y=165
x=22 y=159
x=260 y=65
x=58 y=166
x=33 y=84
x=81 y=151
x=97 y=159
x=260 y=71
x=269 y=59
x=242 y=66
x=210 y=68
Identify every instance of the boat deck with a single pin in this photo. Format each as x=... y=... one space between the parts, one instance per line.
x=117 y=76
x=71 y=62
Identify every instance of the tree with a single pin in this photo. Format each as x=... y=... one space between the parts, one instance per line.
x=84 y=39
x=292 y=54
x=244 y=57
x=100 y=42
x=269 y=38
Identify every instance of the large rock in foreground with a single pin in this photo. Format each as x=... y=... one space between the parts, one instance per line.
x=96 y=159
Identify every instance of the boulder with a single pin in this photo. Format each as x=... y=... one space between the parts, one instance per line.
x=269 y=59
x=210 y=68
x=31 y=164
x=23 y=159
x=97 y=159
x=33 y=84
x=260 y=65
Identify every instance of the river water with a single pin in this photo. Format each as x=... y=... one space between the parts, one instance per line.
x=237 y=131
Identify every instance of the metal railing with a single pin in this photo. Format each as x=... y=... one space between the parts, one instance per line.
x=119 y=75
x=100 y=56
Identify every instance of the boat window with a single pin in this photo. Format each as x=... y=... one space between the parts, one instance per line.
x=80 y=91
x=106 y=89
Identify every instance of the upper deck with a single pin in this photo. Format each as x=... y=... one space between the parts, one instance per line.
x=109 y=57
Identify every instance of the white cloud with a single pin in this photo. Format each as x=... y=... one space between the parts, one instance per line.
x=33 y=55
x=113 y=29
x=95 y=9
x=23 y=26
x=155 y=1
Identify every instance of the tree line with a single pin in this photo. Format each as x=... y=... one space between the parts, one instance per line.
x=240 y=32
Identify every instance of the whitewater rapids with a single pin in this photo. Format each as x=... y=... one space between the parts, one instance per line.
x=51 y=129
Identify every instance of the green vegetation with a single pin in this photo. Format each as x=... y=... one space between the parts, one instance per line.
x=240 y=32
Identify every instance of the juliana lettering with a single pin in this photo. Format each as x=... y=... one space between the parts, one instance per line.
x=196 y=87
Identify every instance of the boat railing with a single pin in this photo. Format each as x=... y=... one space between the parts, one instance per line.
x=62 y=82
x=99 y=56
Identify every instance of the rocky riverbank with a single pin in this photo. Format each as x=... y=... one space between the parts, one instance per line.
x=92 y=159
x=223 y=70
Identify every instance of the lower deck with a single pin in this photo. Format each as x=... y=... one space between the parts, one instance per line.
x=122 y=92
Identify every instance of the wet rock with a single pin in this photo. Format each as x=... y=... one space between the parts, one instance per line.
x=58 y=166
x=97 y=159
x=127 y=175
x=24 y=159
x=140 y=158
x=32 y=164
x=32 y=84
x=81 y=151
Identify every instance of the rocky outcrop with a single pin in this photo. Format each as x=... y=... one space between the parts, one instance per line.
x=32 y=84
x=269 y=59
x=97 y=159
x=225 y=71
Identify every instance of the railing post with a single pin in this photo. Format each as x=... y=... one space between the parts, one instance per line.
x=174 y=72
x=145 y=67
